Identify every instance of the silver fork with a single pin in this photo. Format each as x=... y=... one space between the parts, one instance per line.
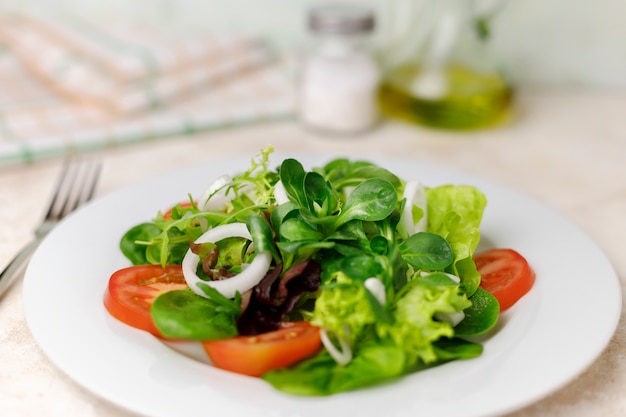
x=76 y=186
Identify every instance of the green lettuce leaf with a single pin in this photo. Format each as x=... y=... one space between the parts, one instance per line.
x=320 y=375
x=344 y=302
x=182 y=314
x=415 y=328
x=455 y=213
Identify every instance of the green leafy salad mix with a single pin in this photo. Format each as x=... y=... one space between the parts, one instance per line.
x=381 y=264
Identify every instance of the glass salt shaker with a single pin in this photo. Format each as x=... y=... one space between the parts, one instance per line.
x=339 y=77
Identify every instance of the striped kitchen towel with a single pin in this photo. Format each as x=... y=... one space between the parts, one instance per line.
x=73 y=85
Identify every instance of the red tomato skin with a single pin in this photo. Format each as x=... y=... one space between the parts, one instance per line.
x=168 y=213
x=131 y=291
x=505 y=274
x=257 y=355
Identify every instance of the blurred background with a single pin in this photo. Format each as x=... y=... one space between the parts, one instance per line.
x=84 y=74
x=545 y=43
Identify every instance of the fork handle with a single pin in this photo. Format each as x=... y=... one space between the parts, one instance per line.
x=16 y=266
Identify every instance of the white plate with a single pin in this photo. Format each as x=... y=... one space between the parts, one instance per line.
x=562 y=325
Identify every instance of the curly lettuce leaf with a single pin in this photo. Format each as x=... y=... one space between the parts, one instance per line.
x=455 y=213
x=344 y=303
x=415 y=328
x=385 y=350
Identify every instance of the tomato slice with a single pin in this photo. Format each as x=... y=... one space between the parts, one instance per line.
x=256 y=355
x=131 y=292
x=168 y=213
x=505 y=274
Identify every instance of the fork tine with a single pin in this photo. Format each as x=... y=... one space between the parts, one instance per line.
x=77 y=184
x=86 y=186
x=60 y=187
x=71 y=181
x=69 y=197
x=94 y=181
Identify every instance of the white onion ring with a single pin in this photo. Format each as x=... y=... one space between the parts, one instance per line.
x=452 y=318
x=280 y=194
x=343 y=355
x=376 y=287
x=453 y=277
x=214 y=198
x=415 y=195
x=242 y=282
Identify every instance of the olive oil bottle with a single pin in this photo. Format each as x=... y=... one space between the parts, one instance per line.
x=472 y=100
x=448 y=77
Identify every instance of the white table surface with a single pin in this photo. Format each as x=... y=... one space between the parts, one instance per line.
x=565 y=149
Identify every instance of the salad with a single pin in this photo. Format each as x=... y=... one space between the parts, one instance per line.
x=319 y=281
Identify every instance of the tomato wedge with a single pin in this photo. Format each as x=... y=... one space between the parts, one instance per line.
x=505 y=274
x=256 y=355
x=183 y=205
x=131 y=292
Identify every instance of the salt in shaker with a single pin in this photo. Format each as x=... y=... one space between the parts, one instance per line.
x=339 y=77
